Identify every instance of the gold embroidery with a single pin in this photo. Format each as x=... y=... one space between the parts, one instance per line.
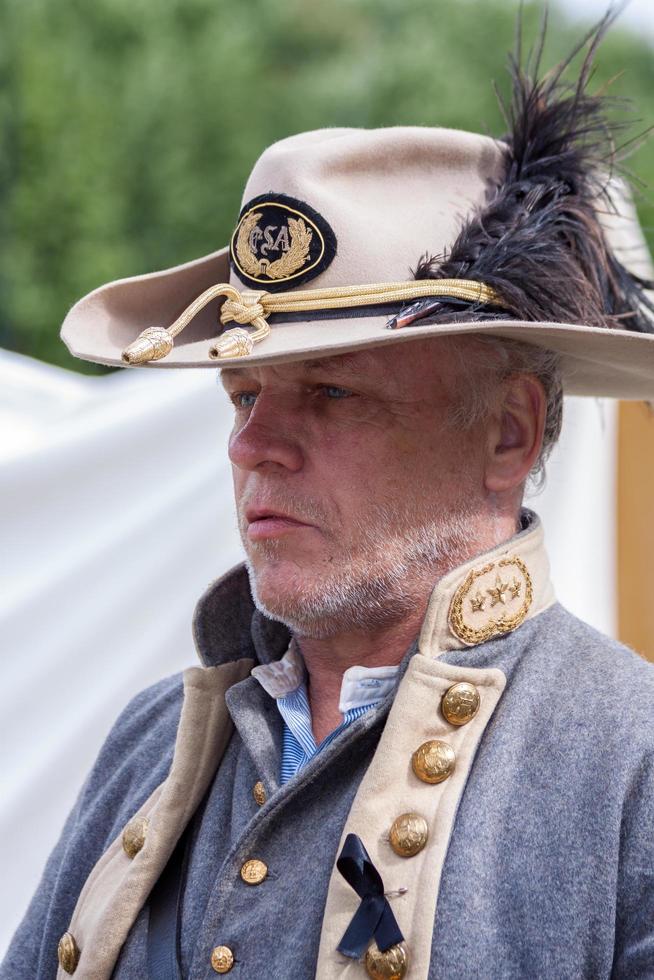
x=292 y=263
x=497 y=593
x=247 y=259
x=296 y=256
x=512 y=614
x=478 y=602
x=282 y=268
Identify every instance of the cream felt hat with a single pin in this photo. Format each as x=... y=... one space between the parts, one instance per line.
x=353 y=238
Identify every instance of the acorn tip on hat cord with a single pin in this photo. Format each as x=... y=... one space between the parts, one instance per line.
x=250 y=308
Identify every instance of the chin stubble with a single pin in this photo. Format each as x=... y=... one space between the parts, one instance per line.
x=389 y=566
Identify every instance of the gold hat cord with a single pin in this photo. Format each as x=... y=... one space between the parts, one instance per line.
x=251 y=308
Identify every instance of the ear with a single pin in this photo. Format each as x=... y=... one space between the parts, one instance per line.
x=515 y=433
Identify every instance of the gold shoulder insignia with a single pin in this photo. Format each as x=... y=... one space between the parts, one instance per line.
x=494 y=599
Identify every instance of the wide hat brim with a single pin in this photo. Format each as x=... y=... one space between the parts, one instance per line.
x=595 y=361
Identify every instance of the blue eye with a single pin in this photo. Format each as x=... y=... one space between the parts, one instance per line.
x=333 y=391
x=244 y=399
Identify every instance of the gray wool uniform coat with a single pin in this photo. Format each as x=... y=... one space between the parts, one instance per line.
x=539 y=862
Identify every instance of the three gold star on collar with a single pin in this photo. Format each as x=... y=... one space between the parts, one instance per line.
x=497 y=594
x=504 y=583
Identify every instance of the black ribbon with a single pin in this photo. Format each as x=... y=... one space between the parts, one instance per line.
x=374 y=917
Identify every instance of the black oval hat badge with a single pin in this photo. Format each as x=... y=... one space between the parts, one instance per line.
x=280 y=242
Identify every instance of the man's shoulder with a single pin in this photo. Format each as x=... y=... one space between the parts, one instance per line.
x=137 y=753
x=601 y=673
x=597 y=649
x=148 y=716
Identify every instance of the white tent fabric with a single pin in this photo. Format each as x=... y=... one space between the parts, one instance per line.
x=116 y=514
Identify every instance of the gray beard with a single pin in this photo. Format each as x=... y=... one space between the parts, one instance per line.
x=374 y=585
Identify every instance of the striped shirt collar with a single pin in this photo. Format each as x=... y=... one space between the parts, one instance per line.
x=286 y=680
x=360 y=687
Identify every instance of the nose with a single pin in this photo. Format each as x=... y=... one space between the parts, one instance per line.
x=268 y=439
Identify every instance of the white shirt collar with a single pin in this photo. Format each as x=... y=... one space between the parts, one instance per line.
x=360 y=686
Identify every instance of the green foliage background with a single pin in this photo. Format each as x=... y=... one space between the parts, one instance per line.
x=128 y=127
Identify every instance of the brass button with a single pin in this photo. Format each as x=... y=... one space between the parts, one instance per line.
x=408 y=834
x=460 y=703
x=68 y=953
x=222 y=959
x=259 y=793
x=391 y=965
x=434 y=761
x=254 y=871
x=134 y=836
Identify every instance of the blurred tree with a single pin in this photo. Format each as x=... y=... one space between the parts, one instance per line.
x=128 y=127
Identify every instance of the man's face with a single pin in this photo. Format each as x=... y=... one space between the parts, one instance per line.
x=352 y=486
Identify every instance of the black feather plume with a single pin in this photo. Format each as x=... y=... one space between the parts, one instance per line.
x=538 y=240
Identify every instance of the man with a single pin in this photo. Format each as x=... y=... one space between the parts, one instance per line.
x=401 y=757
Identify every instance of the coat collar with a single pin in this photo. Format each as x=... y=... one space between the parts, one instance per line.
x=227 y=626
x=488 y=596
x=492 y=594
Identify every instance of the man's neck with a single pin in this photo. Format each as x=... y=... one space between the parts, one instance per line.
x=327 y=658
